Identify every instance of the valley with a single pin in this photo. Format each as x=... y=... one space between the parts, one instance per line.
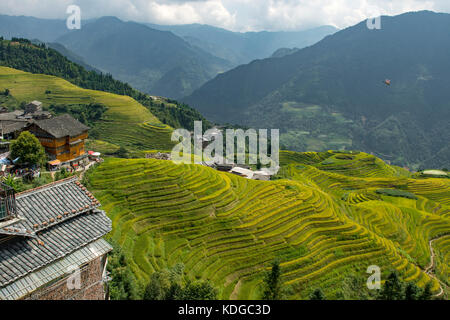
x=362 y=177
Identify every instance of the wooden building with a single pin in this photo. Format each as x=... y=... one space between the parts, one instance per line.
x=63 y=137
x=51 y=244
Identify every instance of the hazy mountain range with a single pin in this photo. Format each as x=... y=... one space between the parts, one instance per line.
x=169 y=61
x=329 y=95
x=332 y=95
x=240 y=48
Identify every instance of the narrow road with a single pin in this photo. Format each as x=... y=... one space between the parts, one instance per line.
x=430 y=269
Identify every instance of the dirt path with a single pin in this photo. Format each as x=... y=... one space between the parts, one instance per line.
x=234 y=294
x=430 y=269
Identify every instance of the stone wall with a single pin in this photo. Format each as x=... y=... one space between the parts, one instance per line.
x=87 y=284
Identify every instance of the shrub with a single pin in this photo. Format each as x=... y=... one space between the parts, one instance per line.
x=28 y=149
x=397 y=193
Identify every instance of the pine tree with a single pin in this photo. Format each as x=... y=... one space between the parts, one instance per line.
x=272 y=283
x=317 y=295
x=412 y=291
x=426 y=294
x=393 y=288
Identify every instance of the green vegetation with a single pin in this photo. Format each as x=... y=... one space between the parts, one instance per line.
x=396 y=193
x=38 y=59
x=28 y=150
x=168 y=284
x=123 y=285
x=226 y=230
x=272 y=282
x=331 y=95
x=125 y=122
x=21 y=54
x=395 y=289
x=87 y=114
x=317 y=295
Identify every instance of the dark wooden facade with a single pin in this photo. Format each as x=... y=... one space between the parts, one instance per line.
x=64 y=148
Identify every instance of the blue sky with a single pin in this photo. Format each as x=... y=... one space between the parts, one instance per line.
x=236 y=15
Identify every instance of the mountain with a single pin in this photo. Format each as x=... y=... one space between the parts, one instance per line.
x=153 y=61
x=240 y=48
x=171 y=63
x=332 y=95
x=39 y=59
x=46 y=30
x=71 y=56
x=284 y=52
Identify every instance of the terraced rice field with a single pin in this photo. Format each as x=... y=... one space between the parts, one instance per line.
x=323 y=223
x=126 y=122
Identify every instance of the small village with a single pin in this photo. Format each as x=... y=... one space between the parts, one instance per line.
x=63 y=138
x=37 y=246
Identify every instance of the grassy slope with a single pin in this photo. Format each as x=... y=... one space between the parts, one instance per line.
x=323 y=222
x=126 y=123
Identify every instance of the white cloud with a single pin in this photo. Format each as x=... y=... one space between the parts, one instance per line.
x=237 y=15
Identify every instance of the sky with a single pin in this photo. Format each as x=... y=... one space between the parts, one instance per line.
x=235 y=15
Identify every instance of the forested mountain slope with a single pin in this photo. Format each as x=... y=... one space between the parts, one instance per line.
x=152 y=61
x=332 y=94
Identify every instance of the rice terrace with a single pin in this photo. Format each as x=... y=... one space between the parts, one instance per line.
x=326 y=218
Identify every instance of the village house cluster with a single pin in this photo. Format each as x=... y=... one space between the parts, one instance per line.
x=51 y=237
x=63 y=137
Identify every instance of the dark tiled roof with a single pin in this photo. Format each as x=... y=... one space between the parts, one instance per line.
x=10 y=126
x=57 y=234
x=54 y=203
x=62 y=126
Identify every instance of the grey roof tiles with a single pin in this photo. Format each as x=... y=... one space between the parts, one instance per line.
x=62 y=126
x=72 y=222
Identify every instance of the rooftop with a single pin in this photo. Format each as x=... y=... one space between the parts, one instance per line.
x=58 y=220
x=62 y=126
x=36 y=103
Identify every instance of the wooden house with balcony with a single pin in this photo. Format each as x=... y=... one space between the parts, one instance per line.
x=63 y=138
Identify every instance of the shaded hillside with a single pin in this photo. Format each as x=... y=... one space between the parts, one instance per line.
x=153 y=61
x=284 y=52
x=240 y=48
x=332 y=95
x=125 y=123
x=326 y=219
x=46 y=30
x=24 y=55
x=71 y=56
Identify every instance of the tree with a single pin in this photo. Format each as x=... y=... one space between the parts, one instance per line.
x=426 y=293
x=317 y=295
x=201 y=290
x=123 y=285
x=167 y=284
x=412 y=291
x=28 y=149
x=122 y=152
x=272 y=282
x=393 y=288
x=158 y=286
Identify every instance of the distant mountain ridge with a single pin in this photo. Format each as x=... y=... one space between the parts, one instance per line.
x=171 y=63
x=331 y=95
x=46 y=30
x=151 y=60
x=284 y=52
x=240 y=48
